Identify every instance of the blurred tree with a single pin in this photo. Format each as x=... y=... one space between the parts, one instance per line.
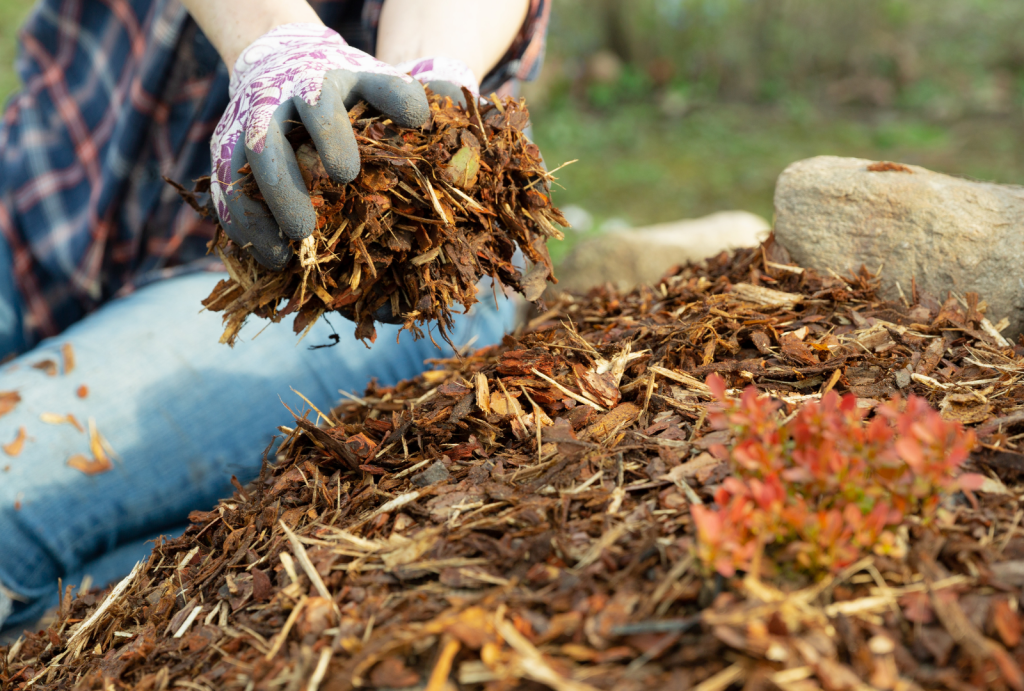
x=944 y=57
x=615 y=22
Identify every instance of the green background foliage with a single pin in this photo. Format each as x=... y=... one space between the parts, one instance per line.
x=715 y=97
x=12 y=13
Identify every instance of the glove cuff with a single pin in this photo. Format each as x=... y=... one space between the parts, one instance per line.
x=278 y=40
x=427 y=70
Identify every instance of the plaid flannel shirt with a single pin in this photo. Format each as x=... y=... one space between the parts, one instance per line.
x=117 y=95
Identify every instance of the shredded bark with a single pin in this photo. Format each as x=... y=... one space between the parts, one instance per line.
x=432 y=211
x=519 y=518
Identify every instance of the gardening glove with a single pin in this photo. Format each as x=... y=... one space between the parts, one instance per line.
x=296 y=72
x=444 y=76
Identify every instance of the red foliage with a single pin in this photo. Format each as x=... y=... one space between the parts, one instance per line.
x=826 y=486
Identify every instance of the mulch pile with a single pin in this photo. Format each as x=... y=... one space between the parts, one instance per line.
x=432 y=211
x=518 y=519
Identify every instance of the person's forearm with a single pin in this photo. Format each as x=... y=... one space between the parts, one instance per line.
x=477 y=32
x=231 y=25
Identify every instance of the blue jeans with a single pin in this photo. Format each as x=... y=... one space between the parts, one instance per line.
x=182 y=412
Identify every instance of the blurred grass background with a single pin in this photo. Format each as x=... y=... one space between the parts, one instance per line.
x=12 y=13
x=679 y=108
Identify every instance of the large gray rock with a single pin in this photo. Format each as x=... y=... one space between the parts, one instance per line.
x=627 y=258
x=947 y=233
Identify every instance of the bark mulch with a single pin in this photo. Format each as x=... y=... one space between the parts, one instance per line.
x=432 y=211
x=520 y=518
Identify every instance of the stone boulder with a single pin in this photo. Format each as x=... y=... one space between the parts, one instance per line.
x=947 y=233
x=627 y=258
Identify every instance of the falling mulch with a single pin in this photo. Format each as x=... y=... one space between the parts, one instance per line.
x=520 y=518
x=432 y=211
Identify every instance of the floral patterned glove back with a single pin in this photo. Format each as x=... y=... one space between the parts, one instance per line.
x=303 y=72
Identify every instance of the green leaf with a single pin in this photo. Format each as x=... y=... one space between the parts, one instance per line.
x=463 y=168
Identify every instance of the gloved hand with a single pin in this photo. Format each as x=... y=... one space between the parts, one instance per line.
x=444 y=76
x=296 y=72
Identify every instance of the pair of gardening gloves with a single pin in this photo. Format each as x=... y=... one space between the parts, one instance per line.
x=307 y=73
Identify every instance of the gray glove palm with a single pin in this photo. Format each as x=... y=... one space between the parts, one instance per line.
x=295 y=72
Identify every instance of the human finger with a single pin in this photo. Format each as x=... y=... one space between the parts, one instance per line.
x=328 y=124
x=402 y=100
x=251 y=226
x=277 y=174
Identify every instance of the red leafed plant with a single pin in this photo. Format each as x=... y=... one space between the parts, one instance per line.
x=826 y=486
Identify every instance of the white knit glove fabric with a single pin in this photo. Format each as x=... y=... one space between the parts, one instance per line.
x=426 y=70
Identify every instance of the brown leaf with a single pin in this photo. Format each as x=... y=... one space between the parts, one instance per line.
x=15 y=447
x=8 y=401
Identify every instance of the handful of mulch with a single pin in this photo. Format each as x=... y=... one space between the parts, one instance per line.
x=432 y=212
